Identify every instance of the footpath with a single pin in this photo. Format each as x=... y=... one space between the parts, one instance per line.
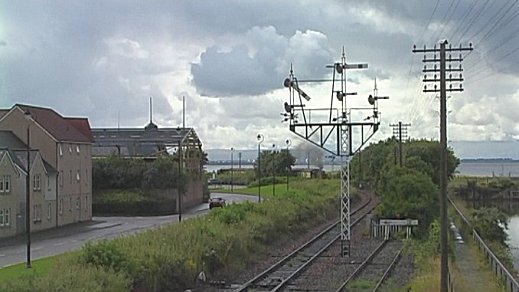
x=471 y=272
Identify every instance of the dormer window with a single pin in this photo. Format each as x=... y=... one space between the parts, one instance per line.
x=69 y=148
x=60 y=150
x=77 y=149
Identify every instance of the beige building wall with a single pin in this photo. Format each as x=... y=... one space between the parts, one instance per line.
x=74 y=182
x=43 y=200
x=72 y=161
x=10 y=201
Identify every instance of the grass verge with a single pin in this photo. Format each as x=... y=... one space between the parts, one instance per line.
x=39 y=267
x=169 y=259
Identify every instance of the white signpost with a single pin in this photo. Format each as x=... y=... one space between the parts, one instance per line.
x=395 y=225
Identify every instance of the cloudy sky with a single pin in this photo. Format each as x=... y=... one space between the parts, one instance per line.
x=104 y=59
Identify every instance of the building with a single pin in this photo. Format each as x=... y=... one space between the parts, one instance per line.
x=151 y=142
x=61 y=166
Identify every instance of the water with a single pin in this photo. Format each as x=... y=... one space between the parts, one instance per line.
x=505 y=168
x=215 y=168
x=513 y=239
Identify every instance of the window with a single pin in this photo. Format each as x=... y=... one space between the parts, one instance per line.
x=36 y=215
x=49 y=188
x=60 y=150
x=7 y=220
x=77 y=204
x=36 y=182
x=86 y=177
x=5 y=183
x=60 y=207
x=1 y=217
x=70 y=148
x=77 y=149
x=61 y=178
x=77 y=175
x=49 y=211
x=70 y=204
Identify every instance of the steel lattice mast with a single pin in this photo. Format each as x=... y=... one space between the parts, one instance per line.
x=333 y=131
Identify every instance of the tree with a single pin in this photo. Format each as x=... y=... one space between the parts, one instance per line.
x=429 y=151
x=408 y=193
x=278 y=162
x=119 y=173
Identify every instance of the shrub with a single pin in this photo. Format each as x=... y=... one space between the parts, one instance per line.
x=104 y=254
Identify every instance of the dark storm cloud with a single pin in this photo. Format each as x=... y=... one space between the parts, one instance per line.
x=238 y=72
x=233 y=73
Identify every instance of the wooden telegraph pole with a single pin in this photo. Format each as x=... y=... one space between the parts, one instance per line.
x=443 y=133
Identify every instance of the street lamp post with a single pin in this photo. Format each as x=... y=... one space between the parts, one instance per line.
x=288 y=142
x=260 y=140
x=232 y=170
x=179 y=153
x=28 y=192
x=273 y=169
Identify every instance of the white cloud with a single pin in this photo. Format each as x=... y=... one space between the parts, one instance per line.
x=229 y=59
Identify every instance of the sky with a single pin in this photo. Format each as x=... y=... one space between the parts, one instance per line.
x=105 y=59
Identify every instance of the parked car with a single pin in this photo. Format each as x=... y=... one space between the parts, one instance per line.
x=214 y=181
x=216 y=202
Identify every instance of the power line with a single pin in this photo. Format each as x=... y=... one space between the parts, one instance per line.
x=400 y=133
x=471 y=22
x=458 y=27
x=448 y=14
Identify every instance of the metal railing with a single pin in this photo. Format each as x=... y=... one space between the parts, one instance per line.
x=498 y=268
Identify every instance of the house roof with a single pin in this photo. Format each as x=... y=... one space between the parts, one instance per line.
x=20 y=157
x=10 y=144
x=83 y=126
x=62 y=129
x=3 y=112
x=140 y=142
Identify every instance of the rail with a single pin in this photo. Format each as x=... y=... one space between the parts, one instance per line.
x=388 y=270
x=498 y=268
x=246 y=286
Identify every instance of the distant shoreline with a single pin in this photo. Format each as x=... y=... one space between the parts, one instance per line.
x=489 y=160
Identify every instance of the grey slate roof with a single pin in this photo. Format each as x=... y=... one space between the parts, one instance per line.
x=18 y=151
x=139 y=142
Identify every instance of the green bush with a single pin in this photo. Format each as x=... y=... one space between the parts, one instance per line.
x=132 y=202
x=104 y=254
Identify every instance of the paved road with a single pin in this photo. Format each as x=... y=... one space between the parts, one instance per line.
x=73 y=237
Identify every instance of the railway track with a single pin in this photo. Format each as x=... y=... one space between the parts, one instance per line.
x=375 y=268
x=277 y=276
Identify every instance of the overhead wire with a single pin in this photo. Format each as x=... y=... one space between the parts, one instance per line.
x=412 y=59
x=447 y=17
x=471 y=22
x=463 y=18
